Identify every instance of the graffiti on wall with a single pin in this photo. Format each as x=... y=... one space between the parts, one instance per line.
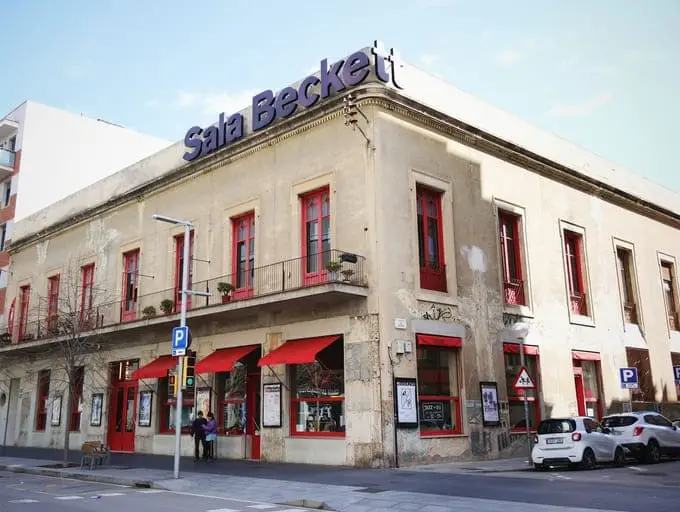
x=438 y=313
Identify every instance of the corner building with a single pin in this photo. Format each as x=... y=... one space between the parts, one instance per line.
x=411 y=233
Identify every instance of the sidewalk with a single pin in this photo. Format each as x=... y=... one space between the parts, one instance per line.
x=341 y=498
x=485 y=466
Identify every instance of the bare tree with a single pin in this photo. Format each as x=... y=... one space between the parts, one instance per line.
x=72 y=318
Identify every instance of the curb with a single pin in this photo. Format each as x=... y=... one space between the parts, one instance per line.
x=94 y=477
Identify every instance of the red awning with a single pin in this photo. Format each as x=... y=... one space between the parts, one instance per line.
x=431 y=340
x=297 y=351
x=580 y=355
x=223 y=360
x=156 y=369
x=513 y=348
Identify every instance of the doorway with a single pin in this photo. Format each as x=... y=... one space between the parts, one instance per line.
x=253 y=415
x=122 y=407
x=587 y=387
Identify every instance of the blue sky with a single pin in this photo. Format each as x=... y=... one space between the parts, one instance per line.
x=603 y=73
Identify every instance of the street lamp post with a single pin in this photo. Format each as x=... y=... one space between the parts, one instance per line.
x=182 y=323
x=521 y=331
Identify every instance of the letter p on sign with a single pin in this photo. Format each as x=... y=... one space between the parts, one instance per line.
x=629 y=378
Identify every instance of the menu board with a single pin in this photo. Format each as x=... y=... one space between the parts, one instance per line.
x=271 y=405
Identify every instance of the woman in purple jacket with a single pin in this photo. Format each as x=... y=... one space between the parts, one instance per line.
x=210 y=429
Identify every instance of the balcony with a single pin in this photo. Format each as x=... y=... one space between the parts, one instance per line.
x=302 y=282
x=6 y=163
x=514 y=292
x=578 y=305
x=433 y=276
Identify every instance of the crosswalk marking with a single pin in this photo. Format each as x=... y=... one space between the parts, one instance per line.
x=24 y=501
x=223 y=510
x=107 y=494
x=68 y=497
x=151 y=491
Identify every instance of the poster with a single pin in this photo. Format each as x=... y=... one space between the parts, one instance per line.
x=145 y=400
x=96 y=410
x=271 y=405
x=406 y=402
x=56 y=411
x=203 y=401
x=491 y=414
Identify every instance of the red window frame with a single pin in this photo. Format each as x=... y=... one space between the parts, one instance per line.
x=511 y=254
x=168 y=401
x=53 y=302
x=668 y=287
x=243 y=272
x=223 y=402
x=24 y=302
x=332 y=366
x=179 y=255
x=78 y=382
x=436 y=377
x=87 y=291
x=431 y=228
x=530 y=353
x=130 y=285
x=639 y=358
x=573 y=255
x=316 y=235
x=43 y=397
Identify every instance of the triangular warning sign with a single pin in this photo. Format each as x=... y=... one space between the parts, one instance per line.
x=523 y=381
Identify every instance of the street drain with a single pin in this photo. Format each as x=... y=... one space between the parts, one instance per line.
x=310 y=504
x=143 y=485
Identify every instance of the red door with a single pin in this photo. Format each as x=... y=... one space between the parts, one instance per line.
x=122 y=409
x=253 y=415
x=580 y=392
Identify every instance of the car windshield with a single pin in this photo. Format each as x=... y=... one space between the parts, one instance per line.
x=556 y=427
x=618 y=421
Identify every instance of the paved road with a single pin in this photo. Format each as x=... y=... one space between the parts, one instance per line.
x=31 y=493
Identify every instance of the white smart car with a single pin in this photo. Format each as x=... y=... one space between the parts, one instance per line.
x=574 y=441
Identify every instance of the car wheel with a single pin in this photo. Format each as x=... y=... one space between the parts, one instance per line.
x=653 y=454
x=619 y=457
x=588 y=461
x=539 y=467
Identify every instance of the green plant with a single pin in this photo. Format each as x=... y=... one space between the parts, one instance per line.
x=225 y=288
x=149 y=312
x=167 y=305
x=333 y=266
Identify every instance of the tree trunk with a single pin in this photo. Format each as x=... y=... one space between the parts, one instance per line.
x=67 y=421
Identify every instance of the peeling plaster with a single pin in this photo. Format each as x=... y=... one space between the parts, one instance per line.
x=41 y=252
x=99 y=240
x=476 y=259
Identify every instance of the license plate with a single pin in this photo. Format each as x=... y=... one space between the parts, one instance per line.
x=554 y=440
x=615 y=433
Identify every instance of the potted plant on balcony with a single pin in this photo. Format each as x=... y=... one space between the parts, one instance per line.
x=333 y=267
x=225 y=289
x=347 y=274
x=148 y=312
x=167 y=306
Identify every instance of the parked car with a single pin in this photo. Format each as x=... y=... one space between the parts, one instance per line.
x=647 y=435
x=572 y=441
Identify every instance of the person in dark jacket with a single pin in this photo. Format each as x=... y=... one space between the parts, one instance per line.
x=198 y=433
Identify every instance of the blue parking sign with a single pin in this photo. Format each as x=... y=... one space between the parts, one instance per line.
x=629 y=378
x=180 y=340
x=676 y=373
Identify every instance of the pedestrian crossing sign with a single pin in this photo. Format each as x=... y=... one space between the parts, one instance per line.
x=523 y=380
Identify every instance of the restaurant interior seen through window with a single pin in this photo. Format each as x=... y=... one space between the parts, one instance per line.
x=231 y=395
x=318 y=394
x=516 y=398
x=168 y=404
x=438 y=385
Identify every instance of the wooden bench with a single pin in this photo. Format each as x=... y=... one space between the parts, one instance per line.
x=94 y=454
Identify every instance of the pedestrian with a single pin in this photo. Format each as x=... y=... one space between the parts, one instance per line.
x=210 y=436
x=198 y=433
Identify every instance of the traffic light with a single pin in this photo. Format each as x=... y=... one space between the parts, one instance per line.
x=188 y=373
x=173 y=381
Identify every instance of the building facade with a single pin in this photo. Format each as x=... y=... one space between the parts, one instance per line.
x=37 y=149
x=353 y=236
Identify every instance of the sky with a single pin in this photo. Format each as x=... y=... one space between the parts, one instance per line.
x=601 y=73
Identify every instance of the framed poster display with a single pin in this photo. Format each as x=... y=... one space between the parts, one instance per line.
x=96 y=409
x=406 y=402
x=203 y=401
x=145 y=404
x=271 y=405
x=56 y=412
x=491 y=413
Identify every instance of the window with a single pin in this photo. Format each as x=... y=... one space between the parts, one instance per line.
x=41 y=403
x=516 y=398
x=438 y=386
x=318 y=394
x=6 y=193
x=430 y=239
x=168 y=404
x=53 y=303
x=573 y=253
x=243 y=254
x=639 y=358
x=86 y=296
x=3 y=237
x=316 y=235
x=179 y=267
x=675 y=361
x=24 y=300
x=231 y=392
x=130 y=276
x=624 y=261
x=511 y=254
x=668 y=283
x=76 y=398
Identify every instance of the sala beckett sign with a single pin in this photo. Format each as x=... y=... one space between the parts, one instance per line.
x=268 y=107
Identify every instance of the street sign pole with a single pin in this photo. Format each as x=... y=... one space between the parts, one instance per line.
x=526 y=403
x=180 y=359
